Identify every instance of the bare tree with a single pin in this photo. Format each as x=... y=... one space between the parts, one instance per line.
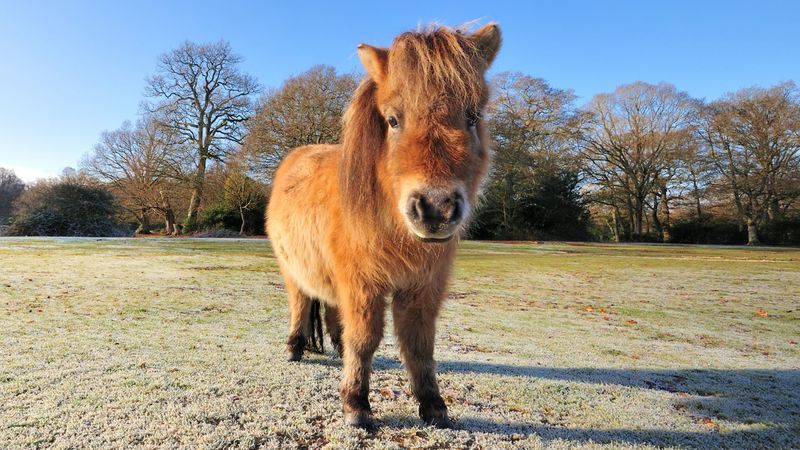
x=633 y=140
x=203 y=97
x=306 y=109
x=753 y=138
x=534 y=129
x=137 y=162
x=697 y=173
x=11 y=187
x=242 y=193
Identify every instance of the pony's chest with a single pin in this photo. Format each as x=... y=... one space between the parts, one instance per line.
x=402 y=267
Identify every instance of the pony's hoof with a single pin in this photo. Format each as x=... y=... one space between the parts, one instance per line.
x=360 y=419
x=435 y=414
x=440 y=422
x=294 y=356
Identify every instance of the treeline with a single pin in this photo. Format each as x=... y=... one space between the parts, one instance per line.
x=643 y=163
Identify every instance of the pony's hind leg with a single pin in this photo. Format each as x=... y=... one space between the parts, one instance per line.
x=299 y=320
x=414 y=314
x=333 y=323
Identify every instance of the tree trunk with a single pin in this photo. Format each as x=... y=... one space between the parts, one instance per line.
x=752 y=233
x=508 y=201
x=617 y=224
x=169 y=221
x=144 y=223
x=774 y=211
x=241 y=214
x=657 y=227
x=696 y=196
x=197 y=196
x=638 y=219
x=631 y=219
x=171 y=227
x=665 y=236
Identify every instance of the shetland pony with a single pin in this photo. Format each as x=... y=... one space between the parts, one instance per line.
x=380 y=214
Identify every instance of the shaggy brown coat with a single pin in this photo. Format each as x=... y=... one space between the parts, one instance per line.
x=339 y=219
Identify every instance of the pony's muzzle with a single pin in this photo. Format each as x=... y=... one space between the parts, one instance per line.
x=435 y=214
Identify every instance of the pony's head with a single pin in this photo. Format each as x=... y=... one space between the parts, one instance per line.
x=423 y=103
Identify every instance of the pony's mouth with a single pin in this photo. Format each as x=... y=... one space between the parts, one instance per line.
x=439 y=236
x=433 y=240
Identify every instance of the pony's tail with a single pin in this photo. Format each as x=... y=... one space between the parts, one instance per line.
x=316 y=340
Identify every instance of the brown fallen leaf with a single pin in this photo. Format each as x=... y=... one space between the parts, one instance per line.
x=449 y=396
x=589 y=309
x=388 y=393
x=708 y=422
x=631 y=322
x=762 y=313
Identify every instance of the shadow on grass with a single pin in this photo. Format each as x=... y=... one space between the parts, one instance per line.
x=772 y=438
x=767 y=397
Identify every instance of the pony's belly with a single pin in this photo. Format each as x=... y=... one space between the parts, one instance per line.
x=302 y=260
x=314 y=285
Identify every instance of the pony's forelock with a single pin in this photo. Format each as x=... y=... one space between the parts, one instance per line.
x=438 y=61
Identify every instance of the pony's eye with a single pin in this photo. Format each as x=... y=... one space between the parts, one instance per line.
x=393 y=121
x=472 y=118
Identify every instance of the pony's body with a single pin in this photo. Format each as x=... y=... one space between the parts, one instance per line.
x=380 y=214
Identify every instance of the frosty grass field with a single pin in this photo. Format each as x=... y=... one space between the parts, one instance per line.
x=178 y=343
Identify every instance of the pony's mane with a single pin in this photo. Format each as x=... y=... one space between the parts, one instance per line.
x=363 y=144
x=435 y=66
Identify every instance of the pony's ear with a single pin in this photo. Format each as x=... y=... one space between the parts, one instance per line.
x=374 y=60
x=488 y=40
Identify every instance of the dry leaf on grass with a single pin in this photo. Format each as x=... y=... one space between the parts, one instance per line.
x=390 y=393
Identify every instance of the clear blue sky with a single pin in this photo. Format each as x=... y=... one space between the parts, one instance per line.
x=71 y=69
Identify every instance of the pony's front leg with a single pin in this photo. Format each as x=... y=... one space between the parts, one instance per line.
x=414 y=313
x=362 y=322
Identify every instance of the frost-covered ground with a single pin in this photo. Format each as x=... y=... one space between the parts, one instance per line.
x=179 y=344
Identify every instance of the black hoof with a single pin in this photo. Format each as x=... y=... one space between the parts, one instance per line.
x=294 y=356
x=439 y=422
x=360 y=419
x=295 y=347
x=435 y=413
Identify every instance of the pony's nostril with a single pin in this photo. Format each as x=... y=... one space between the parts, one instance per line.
x=418 y=208
x=456 y=211
x=421 y=208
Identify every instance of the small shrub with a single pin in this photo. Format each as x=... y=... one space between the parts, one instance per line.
x=783 y=231
x=707 y=230
x=219 y=217
x=69 y=209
